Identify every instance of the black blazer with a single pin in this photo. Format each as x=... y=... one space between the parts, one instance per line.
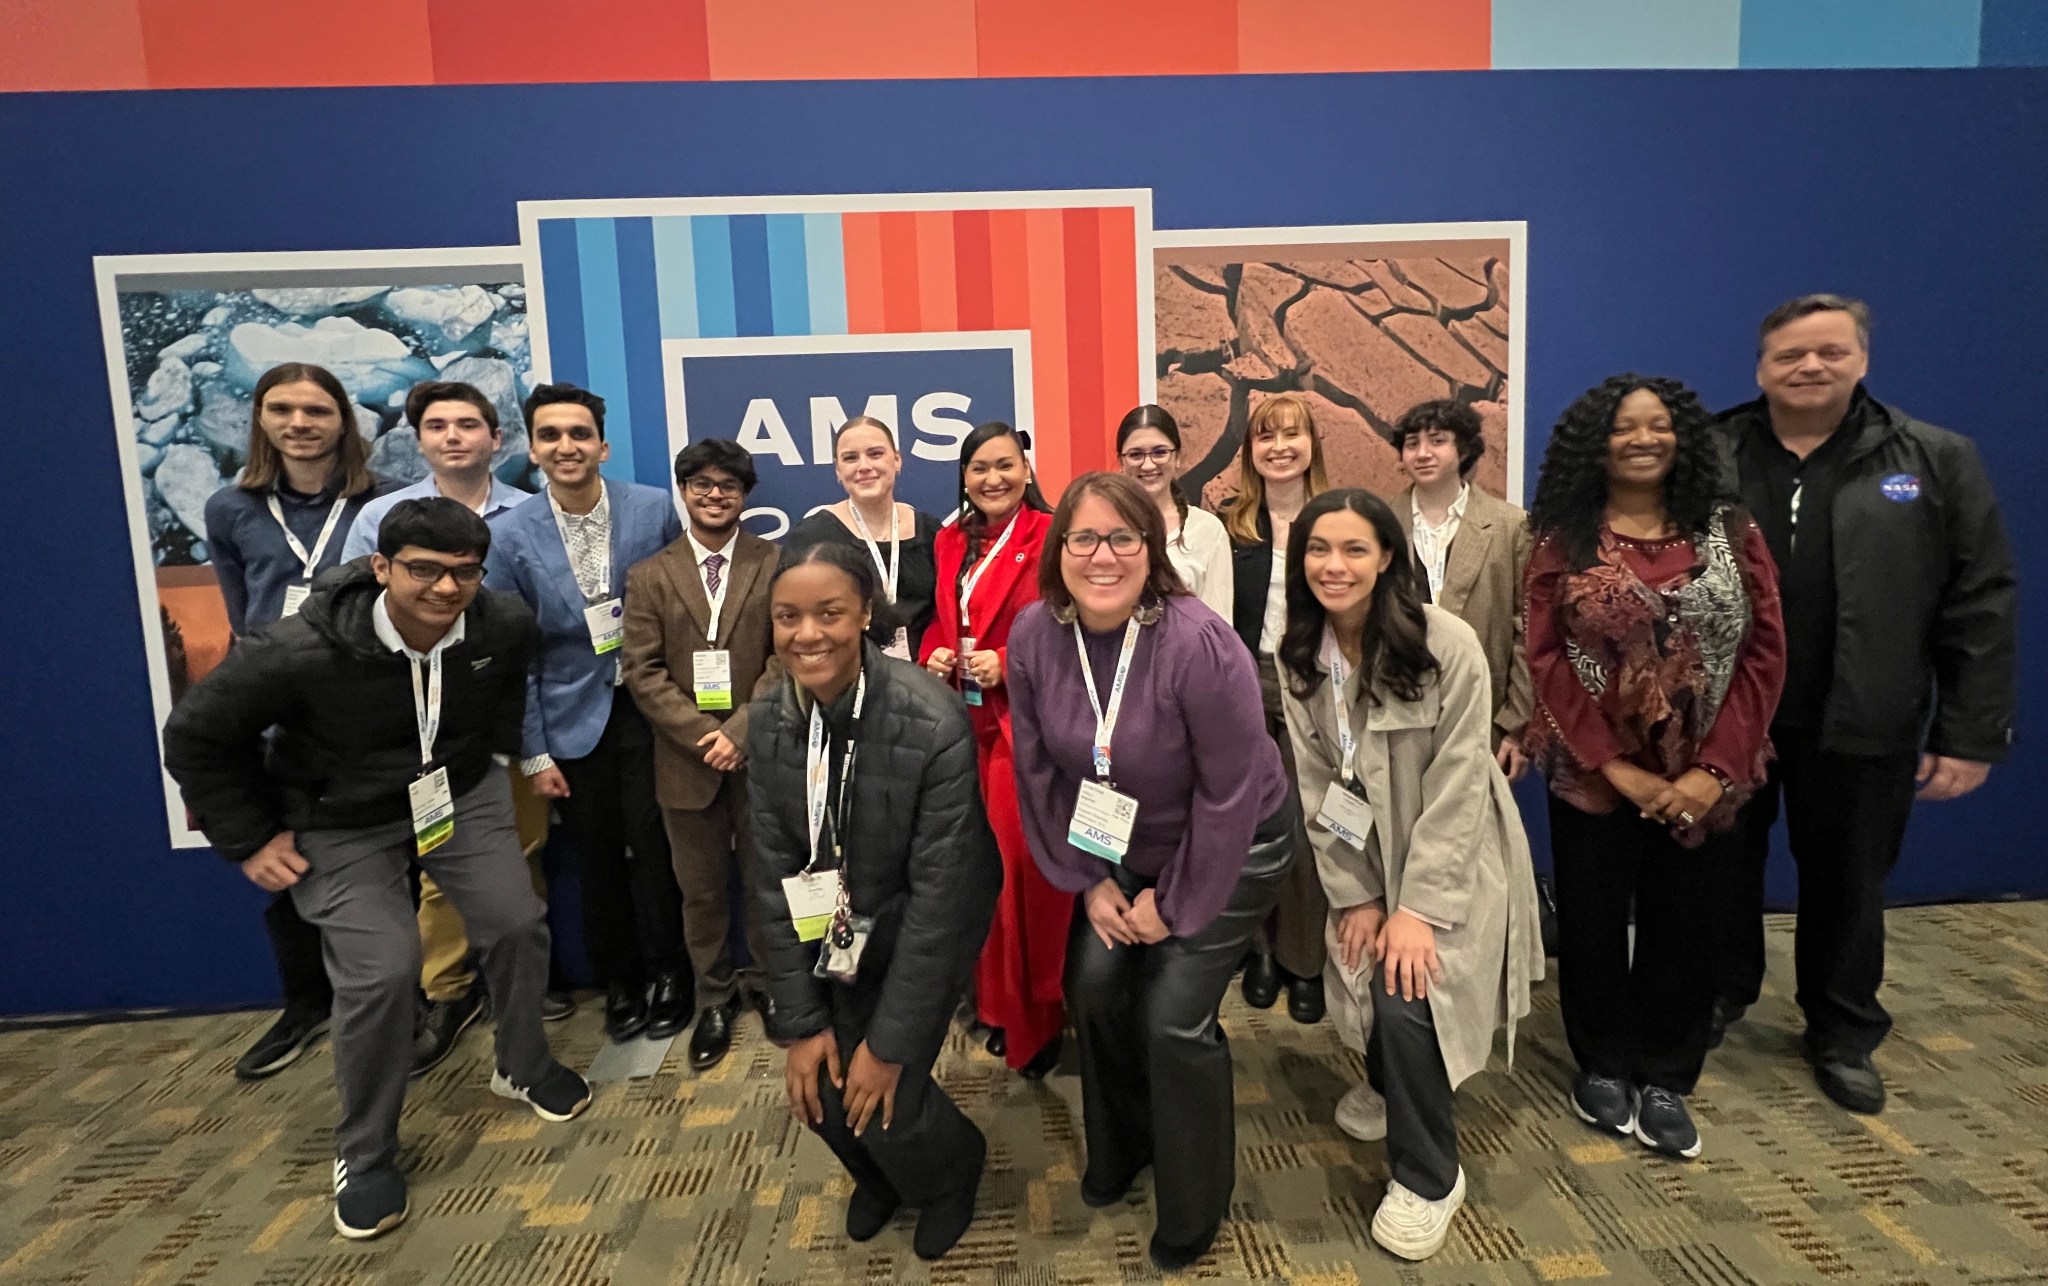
x=1251 y=571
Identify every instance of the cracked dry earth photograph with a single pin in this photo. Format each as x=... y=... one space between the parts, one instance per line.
x=1364 y=330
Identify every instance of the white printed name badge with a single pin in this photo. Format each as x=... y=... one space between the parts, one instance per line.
x=711 y=677
x=812 y=900
x=899 y=646
x=295 y=597
x=1347 y=816
x=606 y=622
x=433 y=811
x=1102 y=822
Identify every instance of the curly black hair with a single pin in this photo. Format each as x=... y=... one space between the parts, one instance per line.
x=1571 y=492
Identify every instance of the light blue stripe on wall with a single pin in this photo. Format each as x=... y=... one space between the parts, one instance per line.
x=711 y=246
x=1861 y=33
x=675 y=276
x=789 y=286
x=825 y=256
x=604 y=329
x=1617 y=33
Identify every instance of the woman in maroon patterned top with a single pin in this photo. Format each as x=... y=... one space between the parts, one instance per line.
x=1657 y=650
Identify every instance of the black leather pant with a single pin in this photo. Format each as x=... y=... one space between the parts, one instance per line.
x=1147 y=1014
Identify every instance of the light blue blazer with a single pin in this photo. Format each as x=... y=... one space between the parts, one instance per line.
x=569 y=689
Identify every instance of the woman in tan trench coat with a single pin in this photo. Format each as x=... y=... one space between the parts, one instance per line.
x=1432 y=927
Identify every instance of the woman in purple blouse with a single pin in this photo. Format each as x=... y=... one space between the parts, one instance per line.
x=1142 y=782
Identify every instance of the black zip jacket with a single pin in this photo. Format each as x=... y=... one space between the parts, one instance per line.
x=1925 y=653
x=346 y=744
x=920 y=856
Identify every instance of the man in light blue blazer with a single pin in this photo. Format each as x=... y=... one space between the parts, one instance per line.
x=586 y=744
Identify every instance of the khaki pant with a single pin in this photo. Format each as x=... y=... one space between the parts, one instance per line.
x=445 y=970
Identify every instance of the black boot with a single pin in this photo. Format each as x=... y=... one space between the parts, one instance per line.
x=1043 y=1062
x=944 y=1222
x=1304 y=1003
x=1261 y=980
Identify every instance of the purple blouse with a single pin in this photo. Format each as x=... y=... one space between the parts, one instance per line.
x=1190 y=747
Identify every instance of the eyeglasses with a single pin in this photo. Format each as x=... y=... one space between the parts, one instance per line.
x=731 y=488
x=1123 y=542
x=428 y=572
x=1142 y=455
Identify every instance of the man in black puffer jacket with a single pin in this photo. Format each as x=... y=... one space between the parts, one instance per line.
x=1901 y=663
x=384 y=701
x=911 y=841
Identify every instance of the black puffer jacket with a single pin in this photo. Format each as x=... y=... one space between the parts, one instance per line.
x=1926 y=654
x=921 y=858
x=346 y=744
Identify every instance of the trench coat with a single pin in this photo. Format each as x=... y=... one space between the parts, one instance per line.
x=1447 y=844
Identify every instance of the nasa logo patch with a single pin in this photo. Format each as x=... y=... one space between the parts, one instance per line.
x=1900 y=488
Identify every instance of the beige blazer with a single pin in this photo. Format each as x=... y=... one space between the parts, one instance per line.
x=1483 y=588
x=668 y=616
x=1447 y=844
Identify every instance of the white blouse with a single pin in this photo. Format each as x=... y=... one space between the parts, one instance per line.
x=1200 y=552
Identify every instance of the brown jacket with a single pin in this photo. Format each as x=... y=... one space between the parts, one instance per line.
x=1483 y=588
x=667 y=617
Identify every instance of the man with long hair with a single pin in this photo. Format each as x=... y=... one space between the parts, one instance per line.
x=307 y=476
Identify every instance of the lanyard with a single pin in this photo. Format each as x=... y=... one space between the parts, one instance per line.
x=724 y=586
x=1347 y=745
x=604 y=579
x=981 y=568
x=311 y=560
x=426 y=706
x=1105 y=720
x=860 y=525
x=815 y=773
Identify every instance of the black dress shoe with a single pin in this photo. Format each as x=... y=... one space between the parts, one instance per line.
x=1172 y=1258
x=282 y=1044
x=625 y=1012
x=869 y=1211
x=1851 y=1080
x=713 y=1037
x=997 y=1043
x=1725 y=1015
x=557 y=1005
x=1261 y=981
x=669 y=1003
x=1304 y=1005
x=1098 y=1192
x=1043 y=1062
x=764 y=1005
x=441 y=1024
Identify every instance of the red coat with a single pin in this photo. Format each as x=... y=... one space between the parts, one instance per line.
x=1017 y=982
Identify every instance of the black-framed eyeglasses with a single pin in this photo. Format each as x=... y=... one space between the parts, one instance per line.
x=428 y=572
x=731 y=488
x=1123 y=542
x=1142 y=455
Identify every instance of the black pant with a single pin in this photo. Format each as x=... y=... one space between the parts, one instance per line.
x=300 y=966
x=930 y=1150
x=1644 y=1017
x=632 y=914
x=1845 y=816
x=1406 y=1065
x=1145 y=1016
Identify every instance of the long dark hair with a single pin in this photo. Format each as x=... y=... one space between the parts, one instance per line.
x=1160 y=421
x=265 y=468
x=1571 y=491
x=973 y=524
x=1139 y=514
x=1396 y=651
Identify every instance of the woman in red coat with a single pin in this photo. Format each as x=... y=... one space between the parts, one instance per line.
x=988 y=572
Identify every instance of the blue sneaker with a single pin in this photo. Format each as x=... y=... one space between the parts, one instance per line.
x=1607 y=1103
x=1663 y=1125
x=368 y=1203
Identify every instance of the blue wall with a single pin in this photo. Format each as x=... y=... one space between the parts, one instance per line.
x=1667 y=212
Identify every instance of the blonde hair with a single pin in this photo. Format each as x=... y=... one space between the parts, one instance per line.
x=1241 y=517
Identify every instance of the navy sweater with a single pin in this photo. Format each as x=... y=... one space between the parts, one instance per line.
x=250 y=555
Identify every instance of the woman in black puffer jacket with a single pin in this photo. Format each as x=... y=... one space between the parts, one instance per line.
x=877 y=874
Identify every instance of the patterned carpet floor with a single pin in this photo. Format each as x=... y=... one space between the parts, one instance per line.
x=129 y=1154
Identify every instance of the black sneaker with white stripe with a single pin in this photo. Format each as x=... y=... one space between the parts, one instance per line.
x=368 y=1203
x=1664 y=1125
x=559 y=1094
x=1607 y=1103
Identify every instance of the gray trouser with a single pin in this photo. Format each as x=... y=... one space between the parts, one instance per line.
x=358 y=896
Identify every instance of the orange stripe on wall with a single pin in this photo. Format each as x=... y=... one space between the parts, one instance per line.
x=972 y=269
x=1045 y=255
x=193 y=44
x=1010 y=272
x=482 y=41
x=938 y=304
x=1084 y=339
x=1121 y=352
x=899 y=272
x=71 y=44
x=832 y=39
x=1364 y=35
x=860 y=238
x=1093 y=38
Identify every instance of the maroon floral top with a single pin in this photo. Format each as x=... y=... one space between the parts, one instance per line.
x=1668 y=653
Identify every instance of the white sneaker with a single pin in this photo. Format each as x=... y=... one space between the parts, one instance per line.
x=1362 y=1114
x=1411 y=1227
